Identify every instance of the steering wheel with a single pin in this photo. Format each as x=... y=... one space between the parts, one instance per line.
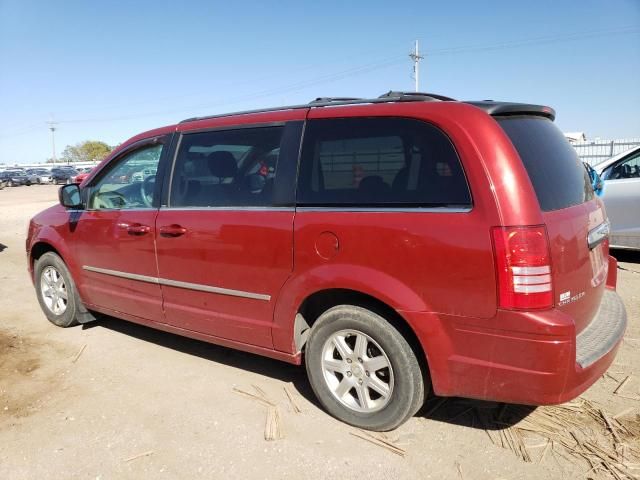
x=147 y=187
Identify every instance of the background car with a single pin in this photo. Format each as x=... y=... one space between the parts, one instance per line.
x=84 y=173
x=39 y=175
x=33 y=178
x=63 y=175
x=621 y=196
x=15 y=178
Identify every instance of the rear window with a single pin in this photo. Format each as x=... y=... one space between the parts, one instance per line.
x=554 y=168
x=379 y=162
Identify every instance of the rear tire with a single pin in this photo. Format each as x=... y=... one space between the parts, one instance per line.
x=57 y=294
x=363 y=371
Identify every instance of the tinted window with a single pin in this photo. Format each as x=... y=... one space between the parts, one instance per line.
x=128 y=183
x=379 y=162
x=226 y=168
x=627 y=168
x=554 y=168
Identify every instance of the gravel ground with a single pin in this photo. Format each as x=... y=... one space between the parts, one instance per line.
x=117 y=400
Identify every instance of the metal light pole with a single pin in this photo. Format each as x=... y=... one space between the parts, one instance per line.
x=52 y=127
x=416 y=57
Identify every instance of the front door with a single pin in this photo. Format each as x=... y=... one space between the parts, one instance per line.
x=225 y=237
x=621 y=197
x=114 y=237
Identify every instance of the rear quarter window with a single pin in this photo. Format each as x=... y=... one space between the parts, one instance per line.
x=556 y=172
x=379 y=162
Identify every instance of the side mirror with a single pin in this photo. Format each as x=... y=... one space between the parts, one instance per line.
x=598 y=185
x=596 y=181
x=70 y=197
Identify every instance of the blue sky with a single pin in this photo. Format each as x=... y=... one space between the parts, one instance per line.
x=109 y=70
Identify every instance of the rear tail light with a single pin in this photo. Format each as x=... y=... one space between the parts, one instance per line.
x=523 y=267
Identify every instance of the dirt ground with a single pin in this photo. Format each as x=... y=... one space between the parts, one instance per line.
x=116 y=400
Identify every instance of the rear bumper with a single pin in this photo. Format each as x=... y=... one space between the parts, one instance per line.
x=604 y=332
x=520 y=357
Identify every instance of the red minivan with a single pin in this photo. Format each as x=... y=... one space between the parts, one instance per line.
x=399 y=245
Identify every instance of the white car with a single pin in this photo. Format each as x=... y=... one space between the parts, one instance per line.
x=39 y=175
x=621 y=196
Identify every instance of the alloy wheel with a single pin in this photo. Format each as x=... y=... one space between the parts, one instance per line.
x=357 y=371
x=54 y=290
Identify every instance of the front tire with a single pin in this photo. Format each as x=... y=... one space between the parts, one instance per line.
x=57 y=294
x=363 y=371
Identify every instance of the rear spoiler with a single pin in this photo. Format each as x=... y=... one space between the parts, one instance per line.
x=508 y=108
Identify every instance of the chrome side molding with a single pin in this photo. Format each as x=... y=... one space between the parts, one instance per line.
x=178 y=284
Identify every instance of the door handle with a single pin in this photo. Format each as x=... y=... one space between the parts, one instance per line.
x=172 y=230
x=135 y=228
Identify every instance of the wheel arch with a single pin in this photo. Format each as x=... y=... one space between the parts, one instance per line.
x=322 y=300
x=40 y=248
x=50 y=241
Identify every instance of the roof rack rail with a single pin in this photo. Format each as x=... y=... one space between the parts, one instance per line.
x=415 y=96
x=325 y=100
x=390 y=96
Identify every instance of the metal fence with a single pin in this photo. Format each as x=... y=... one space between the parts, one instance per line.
x=599 y=150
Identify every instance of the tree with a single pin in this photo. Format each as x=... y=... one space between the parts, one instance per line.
x=87 y=151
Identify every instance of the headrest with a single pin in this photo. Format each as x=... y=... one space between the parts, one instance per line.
x=372 y=183
x=222 y=164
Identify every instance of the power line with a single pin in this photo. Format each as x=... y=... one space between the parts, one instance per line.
x=550 y=39
x=367 y=68
x=23 y=131
x=631 y=29
x=265 y=93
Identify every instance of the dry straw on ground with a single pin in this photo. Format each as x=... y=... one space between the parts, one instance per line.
x=273 y=427
x=379 y=439
x=608 y=445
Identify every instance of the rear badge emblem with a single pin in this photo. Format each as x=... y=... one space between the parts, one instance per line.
x=566 y=297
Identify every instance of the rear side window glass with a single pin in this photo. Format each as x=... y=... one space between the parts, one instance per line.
x=226 y=168
x=379 y=162
x=557 y=175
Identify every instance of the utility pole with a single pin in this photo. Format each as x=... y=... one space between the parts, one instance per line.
x=52 y=127
x=416 y=57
